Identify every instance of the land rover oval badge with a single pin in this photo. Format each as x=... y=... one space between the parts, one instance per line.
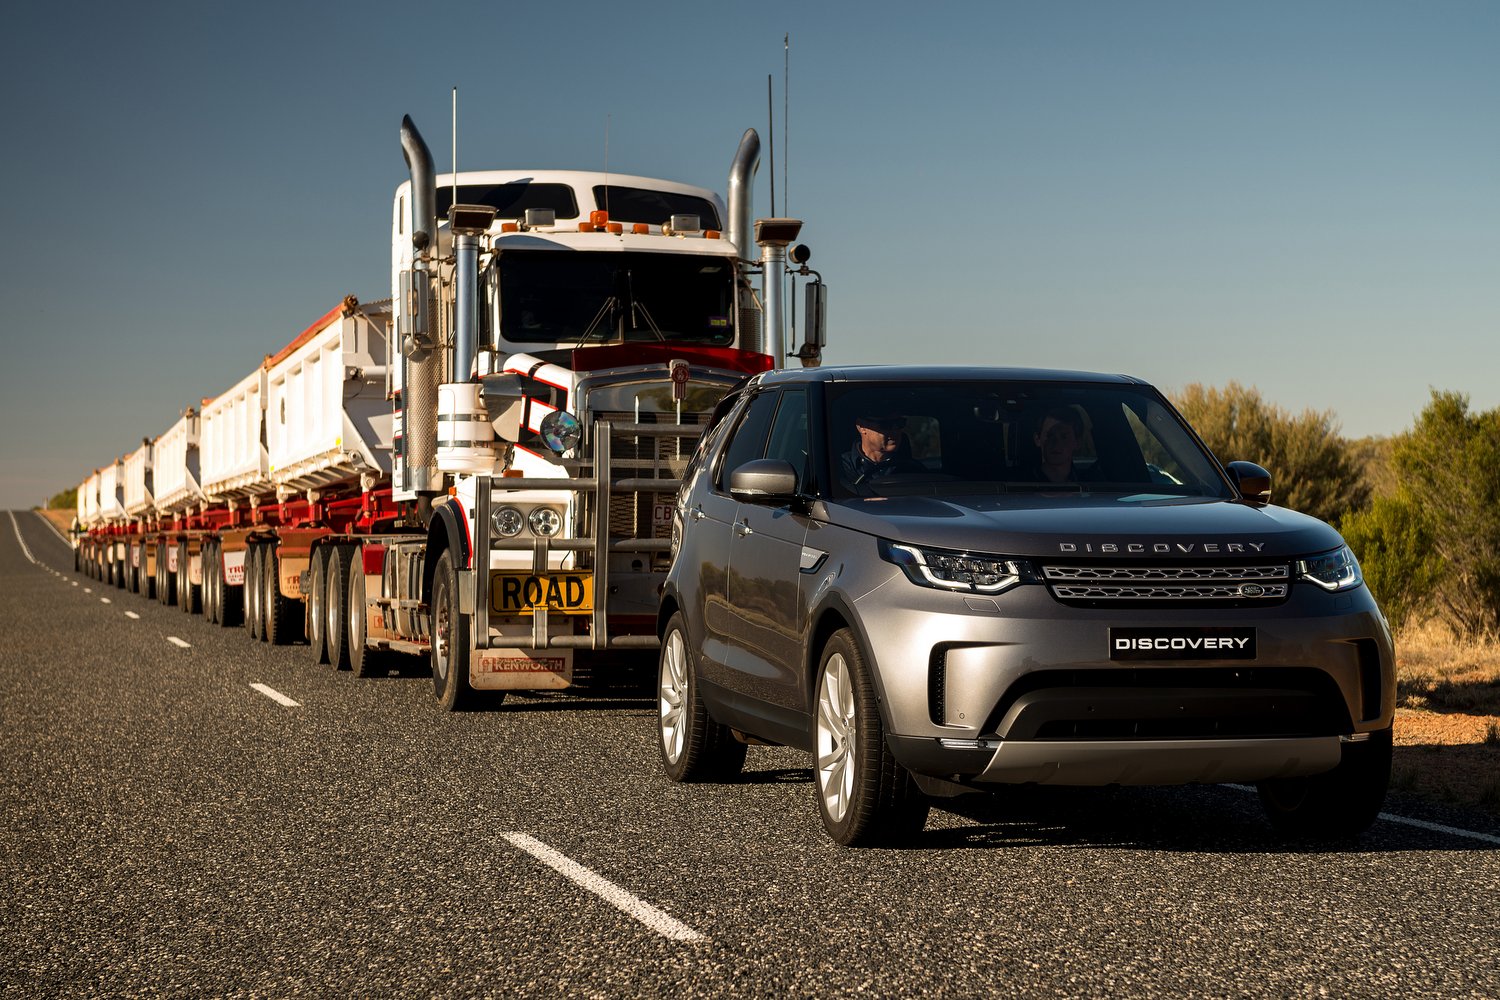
x=1252 y=590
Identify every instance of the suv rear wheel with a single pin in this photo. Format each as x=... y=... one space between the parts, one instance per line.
x=693 y=746
x=864 y=796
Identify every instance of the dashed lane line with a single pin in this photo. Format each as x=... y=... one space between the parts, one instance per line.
x=105 y=600
x=178 y=642
x=52 y=526
x=132 y=614
x=660 y=922
x=276 y=696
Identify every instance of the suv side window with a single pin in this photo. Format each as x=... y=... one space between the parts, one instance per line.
x=748 y=440
x=790 y=441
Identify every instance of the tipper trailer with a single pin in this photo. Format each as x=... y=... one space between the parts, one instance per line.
x=481 y=469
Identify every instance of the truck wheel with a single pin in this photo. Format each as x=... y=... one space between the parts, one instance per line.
x=362 y=659
x=280 y=616
x=189 y=597
x=252 y=590
x=693 y=746
x=864 y=795
x=450 y=639
x=209 y=560
x=120 y=573
x=336 y=605
x=317 y=615
x=1337 y=805
x=169 y=580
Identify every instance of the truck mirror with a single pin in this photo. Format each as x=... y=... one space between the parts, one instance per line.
x=814 y=325
x=505 y=401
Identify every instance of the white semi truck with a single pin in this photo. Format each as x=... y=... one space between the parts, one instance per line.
x=480 y=470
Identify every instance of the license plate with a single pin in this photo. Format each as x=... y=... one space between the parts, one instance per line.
x=1204 y=643
x=520 y=593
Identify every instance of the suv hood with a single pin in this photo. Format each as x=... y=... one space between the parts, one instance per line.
x=1087 y=526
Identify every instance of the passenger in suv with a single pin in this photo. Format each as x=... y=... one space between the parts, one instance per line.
x=958 y=623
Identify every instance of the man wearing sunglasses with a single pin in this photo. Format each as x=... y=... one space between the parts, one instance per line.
x=877 y=451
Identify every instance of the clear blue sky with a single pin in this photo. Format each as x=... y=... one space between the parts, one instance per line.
x=1302 y=197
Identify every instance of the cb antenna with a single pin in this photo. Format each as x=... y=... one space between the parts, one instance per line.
x=454 y=197
x=607 y=117
x=771 y=135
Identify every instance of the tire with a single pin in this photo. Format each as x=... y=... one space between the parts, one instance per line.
x=148 y=580
x=209 y=560
x=450 y=639
x=253 y=590
x=864 y=796
x=169 y=580
x=189 y=597
x=336 y=606
x=1337 y=805
x=120 y=573
x=317 y=615
x=693 y=746
x=281 y=618
x=362 y=659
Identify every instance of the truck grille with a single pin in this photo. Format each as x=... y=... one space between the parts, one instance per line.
x=640 y=514
x=1168 y=584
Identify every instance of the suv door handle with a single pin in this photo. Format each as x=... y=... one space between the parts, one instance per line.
x=742 y=529
x=696 y=513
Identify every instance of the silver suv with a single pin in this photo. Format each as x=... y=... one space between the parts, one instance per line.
x=942 y=580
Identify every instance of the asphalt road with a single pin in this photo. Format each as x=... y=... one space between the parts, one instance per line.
x=171 y=830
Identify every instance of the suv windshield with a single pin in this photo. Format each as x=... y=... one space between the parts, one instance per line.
x=889 y=439
x=569 y=298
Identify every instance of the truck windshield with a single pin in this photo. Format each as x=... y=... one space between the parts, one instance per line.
x=888 y=439
x=568 y=298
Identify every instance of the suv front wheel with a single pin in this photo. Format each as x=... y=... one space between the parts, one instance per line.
x=864 y=796
x=1338 y=804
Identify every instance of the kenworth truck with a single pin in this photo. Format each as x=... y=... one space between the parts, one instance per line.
x=480 y=470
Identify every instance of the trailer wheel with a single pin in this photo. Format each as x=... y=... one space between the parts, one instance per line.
x=123 y=563
x=450 y=639
x=336 y=605
x=169 y=580
x=189 y=597
x=252 y=590
x=317 y=617
x=209 y=561
x=362 y=659
x=281 y=620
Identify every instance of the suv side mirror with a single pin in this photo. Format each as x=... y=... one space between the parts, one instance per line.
x=763 y=480
x=1253 y=482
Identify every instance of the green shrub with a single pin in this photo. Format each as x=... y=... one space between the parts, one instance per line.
x=1393 y=540
x=66 y=500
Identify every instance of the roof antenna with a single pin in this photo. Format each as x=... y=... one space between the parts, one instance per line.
x=786 y=145
x=454 y=200
x=771 y=134
x=607 y=117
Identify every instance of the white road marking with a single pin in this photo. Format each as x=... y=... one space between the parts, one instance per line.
x=1420 y=824
x=132 y=614
x=49 y=524
x=276 y=696
x=73 y=582
x=88 y=590
x=641 y=910
x=178 y=642
x=17 y=526
x=105 y=600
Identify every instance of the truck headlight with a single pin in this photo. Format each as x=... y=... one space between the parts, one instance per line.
x=970 y=572
x=1336 y=570
x=507 y=522
x=545 y=522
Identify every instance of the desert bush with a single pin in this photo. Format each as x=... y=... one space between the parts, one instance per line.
x=1312 y=468
x=1394 y=542
x=66 y=500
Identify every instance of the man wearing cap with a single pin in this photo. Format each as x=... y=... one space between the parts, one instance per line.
x=876 y=450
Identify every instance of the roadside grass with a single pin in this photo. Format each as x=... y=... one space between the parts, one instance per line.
x=1437 y=672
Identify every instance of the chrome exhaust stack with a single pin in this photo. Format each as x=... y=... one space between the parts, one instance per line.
x=422 y=364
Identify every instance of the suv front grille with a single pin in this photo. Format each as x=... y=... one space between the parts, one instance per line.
x=1111 y=584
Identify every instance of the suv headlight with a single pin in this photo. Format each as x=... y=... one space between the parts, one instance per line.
x=1336 y=570
x=969 y=572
